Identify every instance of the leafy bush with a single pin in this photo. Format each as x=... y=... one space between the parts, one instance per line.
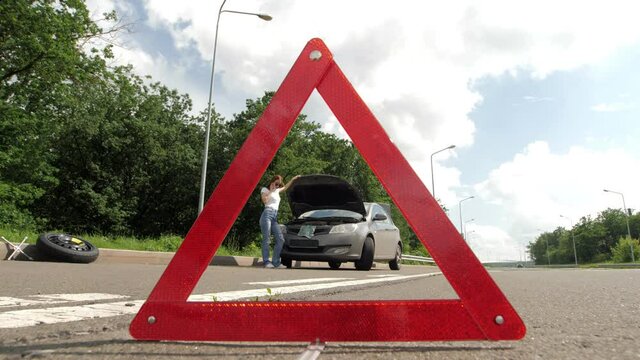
x=622 y=250
x=600 y=258
x=12 y=216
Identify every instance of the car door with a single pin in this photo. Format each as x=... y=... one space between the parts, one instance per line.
x=377 y=231
x=393 y=237
x=383 y=233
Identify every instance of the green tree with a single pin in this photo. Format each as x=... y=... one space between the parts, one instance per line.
x=127 y=157
x=560 y=247
x=41 y=61
x=615 y=225
x=538 y=249
x=590 y=240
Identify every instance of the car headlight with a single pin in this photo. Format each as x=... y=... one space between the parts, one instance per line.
x=283 y=229
x=343 y=228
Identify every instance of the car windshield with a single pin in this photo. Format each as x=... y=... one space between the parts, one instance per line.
x=331 y=213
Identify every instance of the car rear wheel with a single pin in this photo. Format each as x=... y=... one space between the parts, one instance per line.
x=335 y=265
x=366 y=259
x=395 y=263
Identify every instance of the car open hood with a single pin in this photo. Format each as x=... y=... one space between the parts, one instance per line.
x=316 y=192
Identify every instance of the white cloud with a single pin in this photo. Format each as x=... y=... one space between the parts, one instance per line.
x=174 y=75
x=99 y=7
x=127 y=49
x=334 y=127
x=490 y=243
x=537 y=186
x=412 y=62
x=535 y=99
x=611 y=107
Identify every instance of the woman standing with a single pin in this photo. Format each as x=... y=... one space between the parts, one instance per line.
x=269 y=220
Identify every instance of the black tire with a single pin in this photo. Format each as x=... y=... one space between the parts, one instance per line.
x=366 y=259
x=68 y=248
x=335 y=265
x=395 y=263
x=286 y=262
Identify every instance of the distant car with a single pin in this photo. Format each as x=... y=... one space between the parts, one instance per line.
x=331 y=223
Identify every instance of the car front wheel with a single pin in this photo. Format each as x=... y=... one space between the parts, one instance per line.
x=286 y=262
x=335 y=265
x=366 y=259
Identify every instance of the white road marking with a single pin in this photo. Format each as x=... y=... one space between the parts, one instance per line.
x=24 y=318
x=383 y=275
x=240 y=294
x=82 y=297
x=299 y=281
x=312 y=352
x=6 y=301
x=56 y=299
x=53 y=315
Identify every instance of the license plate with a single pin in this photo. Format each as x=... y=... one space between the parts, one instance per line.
x=303 y=243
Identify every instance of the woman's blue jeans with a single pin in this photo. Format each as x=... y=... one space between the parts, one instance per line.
x=269 y=225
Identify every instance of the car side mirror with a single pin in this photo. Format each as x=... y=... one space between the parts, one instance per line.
x=379 y=217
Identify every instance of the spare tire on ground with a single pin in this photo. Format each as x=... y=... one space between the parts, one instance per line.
x=68 y=248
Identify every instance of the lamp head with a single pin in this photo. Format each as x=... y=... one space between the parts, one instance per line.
x=265 y=17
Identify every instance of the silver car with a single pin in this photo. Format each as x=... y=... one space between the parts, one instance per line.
x=332 y=223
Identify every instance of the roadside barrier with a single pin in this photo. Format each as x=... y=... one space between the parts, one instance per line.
x=417 y=258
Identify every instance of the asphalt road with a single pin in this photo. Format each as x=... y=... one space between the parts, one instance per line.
x=569 y=313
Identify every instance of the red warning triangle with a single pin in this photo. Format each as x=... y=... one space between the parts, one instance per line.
x=481 y=313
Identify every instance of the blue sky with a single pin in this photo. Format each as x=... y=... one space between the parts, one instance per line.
x=517 y=110
x=541 y=100
x=594 y=107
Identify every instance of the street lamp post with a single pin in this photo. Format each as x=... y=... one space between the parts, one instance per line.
x=460 y=213
x=573 y=239
x=547 y=241
x=465 y=227
x=203 y=177
x=433 y=187
x=624 y=206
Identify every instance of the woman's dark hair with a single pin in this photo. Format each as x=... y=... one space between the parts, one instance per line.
x=278 y=178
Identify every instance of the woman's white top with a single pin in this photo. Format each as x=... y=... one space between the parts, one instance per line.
x=273 y=199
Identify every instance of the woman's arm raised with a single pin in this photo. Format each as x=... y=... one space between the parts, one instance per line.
x=290 y=182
